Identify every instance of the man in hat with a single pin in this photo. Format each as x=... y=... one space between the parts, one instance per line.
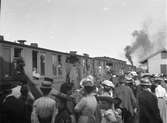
x=148 y=105
x=44 y=108
x=128 y=100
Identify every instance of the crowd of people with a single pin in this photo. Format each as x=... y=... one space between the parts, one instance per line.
x=133 y=99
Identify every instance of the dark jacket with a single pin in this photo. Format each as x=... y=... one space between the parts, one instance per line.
x=16 y=110
x=148 y=108
x=128 y=100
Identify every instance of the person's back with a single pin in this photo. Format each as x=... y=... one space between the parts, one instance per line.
x=91 y=104
x=127 y=97
x=87 y=107
x=44 y=108
x=17 y=110
x=128 y=102
x=149 y=112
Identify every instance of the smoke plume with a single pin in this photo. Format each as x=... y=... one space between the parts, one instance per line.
x=128 y=54
x=146 y=42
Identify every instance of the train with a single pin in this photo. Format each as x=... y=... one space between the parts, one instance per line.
x=59 y=66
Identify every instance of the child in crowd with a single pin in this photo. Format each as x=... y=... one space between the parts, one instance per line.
x=111 y=113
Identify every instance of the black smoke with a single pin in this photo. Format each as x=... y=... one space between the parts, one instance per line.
x=146 y=43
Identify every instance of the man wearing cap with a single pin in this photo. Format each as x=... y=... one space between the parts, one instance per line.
x=148 y=105
x=44 y=108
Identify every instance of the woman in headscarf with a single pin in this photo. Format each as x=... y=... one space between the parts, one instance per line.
x=87 y=106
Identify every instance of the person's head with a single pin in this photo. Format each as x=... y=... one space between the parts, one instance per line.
x=157 y=81
x=19 y=63
x=89 y=89
x=66 y=88
x=108 y=85
x=121 y=79
x=153 y=87
x=145 y=83
x=46 y=87
x=35 y=69
x=87 y=80
x=88 y=84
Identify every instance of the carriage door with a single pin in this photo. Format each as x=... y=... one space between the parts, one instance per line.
x=6 y=68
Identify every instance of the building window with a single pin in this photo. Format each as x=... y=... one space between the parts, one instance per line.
x=42 y=64
x=17 y=52
x=164 y=69
x=54 y=64
x=164 y=55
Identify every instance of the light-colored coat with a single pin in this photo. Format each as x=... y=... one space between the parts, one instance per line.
x=87 y=107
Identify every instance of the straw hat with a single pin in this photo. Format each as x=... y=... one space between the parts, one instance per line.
x=88 y=81
x=145 y=81
x=108 y=83
x=145 y=75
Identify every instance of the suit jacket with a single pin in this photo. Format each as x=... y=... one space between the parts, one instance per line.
x=148 y=108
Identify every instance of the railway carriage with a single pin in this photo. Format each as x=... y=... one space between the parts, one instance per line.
x=48 y=63
x=59 y=66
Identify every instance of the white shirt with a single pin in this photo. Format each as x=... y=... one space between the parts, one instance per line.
x=160 y=91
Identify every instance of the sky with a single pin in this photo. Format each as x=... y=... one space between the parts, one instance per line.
x=96 y=27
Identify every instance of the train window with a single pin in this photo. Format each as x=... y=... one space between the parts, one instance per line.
x=34 y=59
x=54 y=64
x=17 y=52
x=84 y=66
x=42 y=64
x=59 y=59
x=60 y=72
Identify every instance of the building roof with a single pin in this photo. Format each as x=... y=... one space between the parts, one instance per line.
x=152 y=55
